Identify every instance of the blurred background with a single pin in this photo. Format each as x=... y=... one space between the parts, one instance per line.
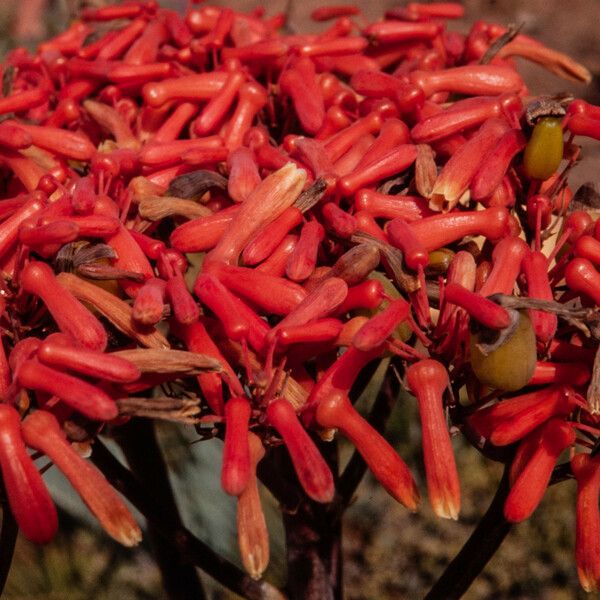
x=389 y=553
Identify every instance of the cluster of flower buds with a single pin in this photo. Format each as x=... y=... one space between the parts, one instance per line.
x=371 y=190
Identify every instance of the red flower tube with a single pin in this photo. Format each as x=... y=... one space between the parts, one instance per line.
x=303 y=259
x=243 y=174
x=58 y=350
x=235 y=472
x=28 y=497
x=456 y=175
x=586 y=469
x=531 y=483
x=42 y=432
x=440 y=230
x=267 y=201
x=375 y=331
x=510 y=420
x=507 y=258
x=200 y=86
x=336 y=411
x=81 y=396
x=310 y=466
x=71 y=316
x=535 y=270
x=428 y=380
x=253 y=537
x=481 y=309
x=252 y=97
x=480 y=80
x=273 y=294
x=582 y=277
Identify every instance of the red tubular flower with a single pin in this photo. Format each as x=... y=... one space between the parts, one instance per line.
x=339 y=221
x=243 y=174
x=531 y=483
x=185 y=308
x=368 y=294
x=235 y=472
x=395 y=161
x=322 y=330
x=42 y=432
x=321 y=301
x=390 y=470
x=535 y=270
x=252 y=97
x=253 y=537
x=268 y=200
x=581 y=276
x=341 y=142
x=9 y=229
x=196 y=339
x=265 y=241
x=273 y=294
x=149 y=303
x=443 y=229
x=70 y=315
x=310 y=466
x=393 y=133
x=303 y=259
x=214 y=112
x=428 y=379
x=512 y=419
x=83 y=397
x=481 y=309
x=409 y=208
x=200 y=86
x=23 y=101
x=454 y=179
x=573 y=373
x=220 y=300
x=203 y=233
x=506 y=258
x=168 y=153
x=491 y=171
x=374 y=333
x=300 y=85
x=481 y=80
x=129 y=255
x=60 y=141
x=387 y=32
x=28 y=497
x=58 y=350
x=586 y=469
x=464 y=114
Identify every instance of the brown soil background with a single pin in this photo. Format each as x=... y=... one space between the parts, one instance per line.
x=389 y=553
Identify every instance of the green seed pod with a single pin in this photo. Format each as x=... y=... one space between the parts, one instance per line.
x=509 y=366
x=439 y=261
x=544 y=150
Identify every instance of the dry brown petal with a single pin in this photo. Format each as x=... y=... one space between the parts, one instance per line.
x=156 y=208
x=425 y=170
x=180 y=410
x=164 y=360
x=407 y=283
x=196 y=184
x=114 y=309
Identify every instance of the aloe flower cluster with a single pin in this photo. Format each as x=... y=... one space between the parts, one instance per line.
x=250 y=218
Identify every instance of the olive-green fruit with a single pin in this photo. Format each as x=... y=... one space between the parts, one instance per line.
x=544 y=150
x=510 y=366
